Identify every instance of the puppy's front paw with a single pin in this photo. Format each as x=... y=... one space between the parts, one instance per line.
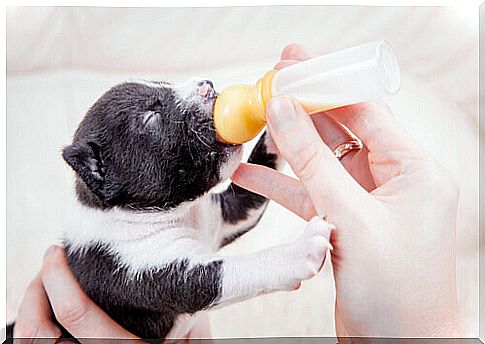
x=266 y=153
x=311 y=248
x=269 y=143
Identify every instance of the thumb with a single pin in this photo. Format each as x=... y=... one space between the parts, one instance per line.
x=328 y=184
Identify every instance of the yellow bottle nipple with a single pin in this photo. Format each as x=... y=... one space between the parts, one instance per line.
x=240 y=110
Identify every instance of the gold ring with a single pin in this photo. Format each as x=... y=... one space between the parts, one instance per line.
x=347 y=147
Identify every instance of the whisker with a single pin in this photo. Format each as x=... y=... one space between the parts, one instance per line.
x=191 y=154
x=198 y=137
x=208 y=127
x=231 y=186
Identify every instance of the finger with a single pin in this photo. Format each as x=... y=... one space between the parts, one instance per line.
x=355 y=162
x=201 y=331
x=332 y=132
x=72 y=307
x=295 y=51
x=329 y=186
x=34 y=319
x=282 y=189
x=375 y=125
x=285 y=63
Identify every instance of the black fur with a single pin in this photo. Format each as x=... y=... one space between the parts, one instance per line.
x=146 y=304
x=236 y=202
x=9 y=330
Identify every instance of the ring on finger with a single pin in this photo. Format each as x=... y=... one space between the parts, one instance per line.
x=347 y=147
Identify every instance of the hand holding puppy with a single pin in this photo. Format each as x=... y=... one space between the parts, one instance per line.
x=394 y=207
x=55 y=293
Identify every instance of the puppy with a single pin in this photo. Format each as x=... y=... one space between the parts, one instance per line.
x=145 y=245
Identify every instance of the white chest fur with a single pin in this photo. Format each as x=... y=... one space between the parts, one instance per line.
x=144 y=240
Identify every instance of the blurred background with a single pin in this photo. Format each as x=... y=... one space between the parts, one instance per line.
x=60 y=60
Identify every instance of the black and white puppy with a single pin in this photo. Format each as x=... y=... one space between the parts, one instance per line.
x=145 y=244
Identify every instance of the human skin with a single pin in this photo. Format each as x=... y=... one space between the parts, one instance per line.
x=394 y=207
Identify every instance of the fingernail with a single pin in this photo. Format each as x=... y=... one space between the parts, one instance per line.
x=281 y=112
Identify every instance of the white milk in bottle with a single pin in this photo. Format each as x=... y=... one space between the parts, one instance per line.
x=360 y=73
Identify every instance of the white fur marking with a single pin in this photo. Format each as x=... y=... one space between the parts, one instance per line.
x=144 y=240
x=228 y=168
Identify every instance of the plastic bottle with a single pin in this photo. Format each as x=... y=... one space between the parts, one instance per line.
x=365 y=72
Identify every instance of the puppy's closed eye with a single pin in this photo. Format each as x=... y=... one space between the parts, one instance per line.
x=150 y=118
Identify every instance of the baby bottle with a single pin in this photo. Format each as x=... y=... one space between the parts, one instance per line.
x=364 y=72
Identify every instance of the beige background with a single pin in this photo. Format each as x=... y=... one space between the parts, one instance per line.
x=59 y=60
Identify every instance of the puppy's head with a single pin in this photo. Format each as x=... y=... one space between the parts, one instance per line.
x=150 y=144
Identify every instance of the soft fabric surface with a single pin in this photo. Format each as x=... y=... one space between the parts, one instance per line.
x=60 y=60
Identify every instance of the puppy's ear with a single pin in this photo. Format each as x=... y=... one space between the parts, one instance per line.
x=85 y=160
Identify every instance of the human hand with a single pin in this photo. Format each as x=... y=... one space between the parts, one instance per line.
x=394 y=207
x=55 y=293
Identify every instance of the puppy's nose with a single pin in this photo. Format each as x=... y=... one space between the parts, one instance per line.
x=203 y=82
x=206 y=88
